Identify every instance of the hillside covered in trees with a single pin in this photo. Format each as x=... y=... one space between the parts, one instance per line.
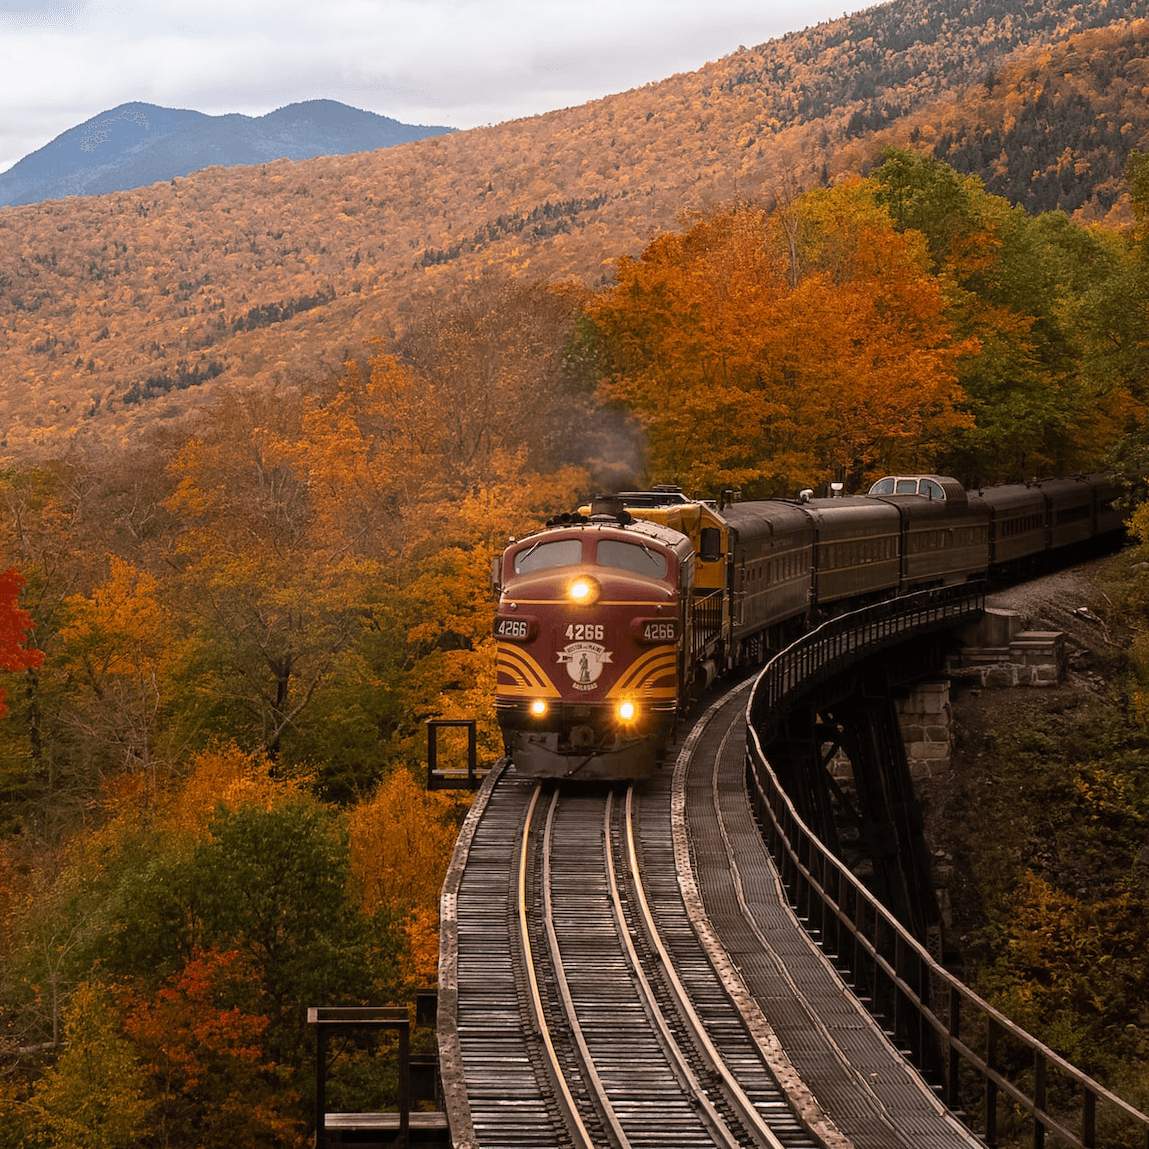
x=1049 y=129
x=122 y=310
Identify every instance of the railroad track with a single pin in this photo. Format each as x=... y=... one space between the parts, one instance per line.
x=628 y=1035
x=624 y=1030
x=600 y=1020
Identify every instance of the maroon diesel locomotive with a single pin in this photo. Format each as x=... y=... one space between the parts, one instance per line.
x=588 y=657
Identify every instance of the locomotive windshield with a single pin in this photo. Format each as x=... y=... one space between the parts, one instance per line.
x=560 y=553
x=631 y=557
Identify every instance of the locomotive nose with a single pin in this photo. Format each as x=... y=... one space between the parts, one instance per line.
x=582 y=737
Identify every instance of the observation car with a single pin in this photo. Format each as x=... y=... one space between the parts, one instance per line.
x=944 y=537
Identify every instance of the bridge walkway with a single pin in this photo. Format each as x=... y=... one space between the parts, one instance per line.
x=842 y=1057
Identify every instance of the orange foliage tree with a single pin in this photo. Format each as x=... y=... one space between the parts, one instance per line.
x=775 y=350
x=200 y=1039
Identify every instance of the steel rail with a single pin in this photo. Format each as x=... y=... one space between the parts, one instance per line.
x=574 y=1119
x=636 y=1121
x=589 y=1067
x=710 y=1115
x=747 y=1111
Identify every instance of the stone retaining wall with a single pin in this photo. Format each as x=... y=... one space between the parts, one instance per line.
x=996 y=653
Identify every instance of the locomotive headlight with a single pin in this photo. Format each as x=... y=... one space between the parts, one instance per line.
x=627 y=711
x=538 y=708
x=582 y=590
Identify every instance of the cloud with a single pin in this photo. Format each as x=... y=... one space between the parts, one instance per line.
x=52 y=16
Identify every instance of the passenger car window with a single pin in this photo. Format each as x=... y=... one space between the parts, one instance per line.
x=631 y=557
x=560 y=553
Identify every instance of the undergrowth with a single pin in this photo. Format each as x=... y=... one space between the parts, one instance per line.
x=1051 y=837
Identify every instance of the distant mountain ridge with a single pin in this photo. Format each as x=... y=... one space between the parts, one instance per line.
x=137 y=144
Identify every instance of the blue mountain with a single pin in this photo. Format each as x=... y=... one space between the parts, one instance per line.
x=137 y=144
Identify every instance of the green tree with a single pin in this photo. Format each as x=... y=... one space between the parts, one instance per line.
x=269 y=880
x=1137 y=177
x=1122 y=324
x=1041 y=299
x=276 y=884
x=95 y=1096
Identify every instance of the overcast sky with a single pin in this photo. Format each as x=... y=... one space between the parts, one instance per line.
x=456 y=62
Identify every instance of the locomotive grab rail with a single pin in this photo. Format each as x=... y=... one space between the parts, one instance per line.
x=951 y=1034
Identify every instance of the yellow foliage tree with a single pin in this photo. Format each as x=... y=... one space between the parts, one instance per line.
x=223 y=775
x=271 y=602
x=116 y=644
x=401 y=844
x=94 y=1097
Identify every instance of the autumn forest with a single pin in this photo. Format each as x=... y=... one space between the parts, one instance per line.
x=266 y=429
x=225 y=643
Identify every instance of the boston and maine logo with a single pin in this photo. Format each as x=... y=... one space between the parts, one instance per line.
x=584 y=662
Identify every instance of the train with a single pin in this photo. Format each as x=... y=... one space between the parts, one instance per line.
x=611 y=618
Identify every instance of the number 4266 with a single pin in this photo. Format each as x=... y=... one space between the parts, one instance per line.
x=586 y=631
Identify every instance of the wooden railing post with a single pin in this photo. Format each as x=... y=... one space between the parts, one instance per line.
x=991 y=1084
x=1038 y=1100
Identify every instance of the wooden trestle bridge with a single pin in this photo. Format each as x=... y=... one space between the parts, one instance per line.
x=686 y=962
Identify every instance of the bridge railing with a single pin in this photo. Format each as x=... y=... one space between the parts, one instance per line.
x=988 y=1070
x=826 y=652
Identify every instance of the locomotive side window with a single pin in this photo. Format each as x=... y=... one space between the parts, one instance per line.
x=883 y=487
x=561 y=553
x=632 y=557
